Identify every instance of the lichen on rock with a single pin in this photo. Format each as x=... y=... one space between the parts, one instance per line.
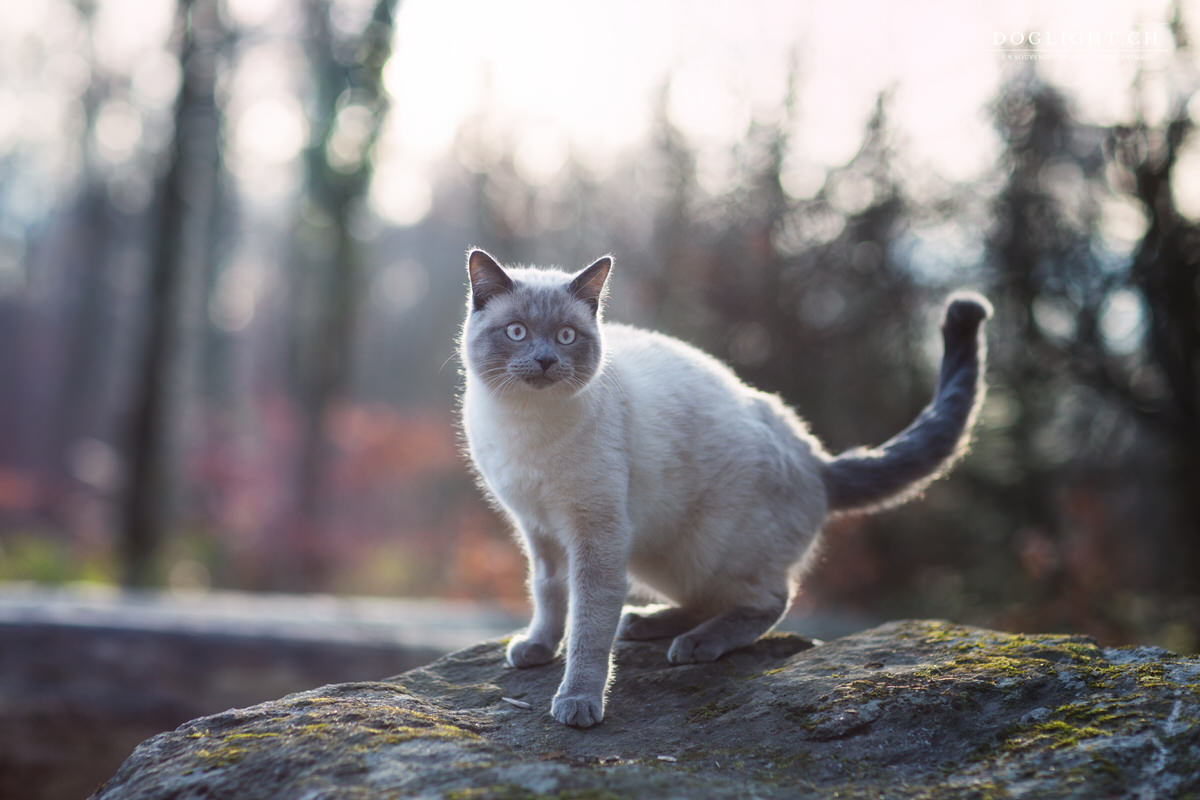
x=919 y=709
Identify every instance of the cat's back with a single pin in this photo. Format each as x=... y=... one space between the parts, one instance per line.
x=678 y=391
x=689 y=395
x=656 y=363
x=698 y=437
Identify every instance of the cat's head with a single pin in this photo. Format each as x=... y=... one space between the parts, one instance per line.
x=533 y=330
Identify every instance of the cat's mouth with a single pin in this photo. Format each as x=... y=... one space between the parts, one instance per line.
x=539 y=381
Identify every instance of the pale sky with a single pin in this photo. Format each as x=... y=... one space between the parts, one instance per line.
x=554 y=79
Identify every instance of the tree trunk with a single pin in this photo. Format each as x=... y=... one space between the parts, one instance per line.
x=146 y=501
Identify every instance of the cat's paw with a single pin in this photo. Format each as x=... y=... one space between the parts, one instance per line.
x=637 y=627
x=578 y=711
x=655 y=622
x=689 y=649
x=523 y=652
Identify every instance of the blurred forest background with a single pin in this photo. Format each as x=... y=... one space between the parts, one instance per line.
x=228 y=305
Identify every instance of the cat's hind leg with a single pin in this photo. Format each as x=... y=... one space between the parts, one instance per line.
x=730 y=630
x=657 y=622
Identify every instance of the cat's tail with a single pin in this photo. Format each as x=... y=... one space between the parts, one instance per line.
x=873 y=478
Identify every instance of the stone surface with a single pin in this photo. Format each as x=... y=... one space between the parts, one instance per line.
x=909 y=709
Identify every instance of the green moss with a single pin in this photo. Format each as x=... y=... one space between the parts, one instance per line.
x=992 y=664
x=1115 y=715
x=695 y=688
x=404 y=733
x=510 y=791
x=937 y=632
x=983 y=790
x=391 y=733
x=474 y=688
x=1106 y=766
x=1046 y=647
x=305 y=702
x=875 y=790
x=1053 y=734
x=348 y=723
x=794 y=762
x=231 y=748
x=499 y=792
x=262 y=735
x=962 y=677
x=993 y=655
x=1151 y=676
x=709 y=711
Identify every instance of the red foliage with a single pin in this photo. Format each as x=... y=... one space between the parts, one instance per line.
x=19 y=491
x=376 y=444
x=398 y=511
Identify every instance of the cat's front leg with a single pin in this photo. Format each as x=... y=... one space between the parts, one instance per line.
x=597 y=561
x=548 y=589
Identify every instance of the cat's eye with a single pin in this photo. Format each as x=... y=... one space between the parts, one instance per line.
x=515 y=331
x=566 y=335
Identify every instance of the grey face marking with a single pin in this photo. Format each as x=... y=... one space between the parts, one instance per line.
x=537 y=332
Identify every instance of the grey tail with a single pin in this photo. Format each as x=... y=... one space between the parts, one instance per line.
x=900 y=468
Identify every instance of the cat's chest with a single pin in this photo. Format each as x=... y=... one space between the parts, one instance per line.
x=530 y=465
x=512 y=460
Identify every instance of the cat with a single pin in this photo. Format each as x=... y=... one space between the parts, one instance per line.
x=623 y=455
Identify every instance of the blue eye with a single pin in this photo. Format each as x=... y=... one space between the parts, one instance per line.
x=515 y=331
x=565 y=335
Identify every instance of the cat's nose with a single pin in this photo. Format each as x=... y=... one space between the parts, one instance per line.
x=546 y=361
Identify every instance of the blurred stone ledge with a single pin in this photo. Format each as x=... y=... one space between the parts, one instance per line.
x=442 y=625
x=87 y=672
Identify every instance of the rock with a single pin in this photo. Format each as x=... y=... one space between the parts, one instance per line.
x=909 y=709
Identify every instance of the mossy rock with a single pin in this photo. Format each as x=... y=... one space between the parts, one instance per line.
x=918 y=709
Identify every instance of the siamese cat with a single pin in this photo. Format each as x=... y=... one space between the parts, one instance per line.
x=626 y=457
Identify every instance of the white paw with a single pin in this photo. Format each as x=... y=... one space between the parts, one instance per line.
x=579 y=711
x=523 y=652
x=688 y=649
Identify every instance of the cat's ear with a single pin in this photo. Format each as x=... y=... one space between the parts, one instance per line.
x=588 y=285
x=488 y=278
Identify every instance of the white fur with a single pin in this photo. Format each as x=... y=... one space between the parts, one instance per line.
x=706 y=511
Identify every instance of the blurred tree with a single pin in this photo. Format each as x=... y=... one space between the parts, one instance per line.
x=1063 y=292
x=500 y=201
x=183 y=201
x=88 y=261
x=347 y=111
x=676 y=238
x=1165 y=271
x=1042 y=276
x=813 y=301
